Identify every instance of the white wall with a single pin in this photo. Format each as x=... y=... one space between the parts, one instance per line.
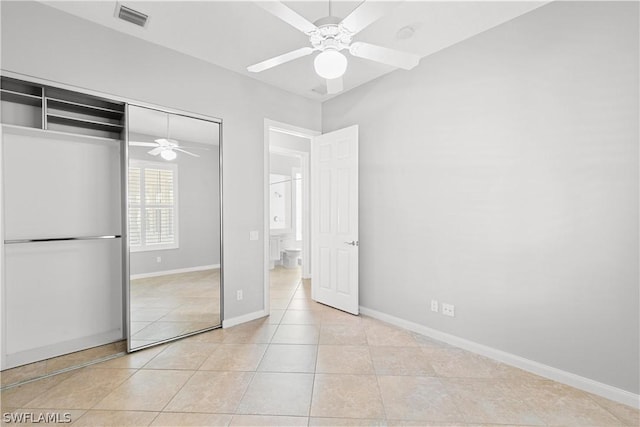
x=501 y=175
x=290 y=142
x=43 y=42
x=282 y=164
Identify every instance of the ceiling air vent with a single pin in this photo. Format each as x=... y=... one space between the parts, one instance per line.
x=127 y=14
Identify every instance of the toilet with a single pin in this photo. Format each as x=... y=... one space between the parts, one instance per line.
x=291 y=257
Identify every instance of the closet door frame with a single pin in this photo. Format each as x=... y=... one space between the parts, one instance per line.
x=125 y=218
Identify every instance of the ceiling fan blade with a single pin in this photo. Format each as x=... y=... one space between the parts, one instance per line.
x=366 y=14
x=191 y=148
x=334 y=85
x=385 y=55
x=166 y=141
x=143 y=144
x=287 y=15
x=278 y=60
x=156 y=151
x=185 y=151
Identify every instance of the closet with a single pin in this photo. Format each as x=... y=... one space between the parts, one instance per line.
x=62 y=235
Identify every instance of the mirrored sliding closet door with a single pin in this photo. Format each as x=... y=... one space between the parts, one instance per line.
x=174 y=226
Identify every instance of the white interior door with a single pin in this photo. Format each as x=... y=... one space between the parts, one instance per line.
x=334 y=192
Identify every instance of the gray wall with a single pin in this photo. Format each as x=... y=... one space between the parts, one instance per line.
x=198 y=212
x=281 y=164
x=501 y=175
x=43 y=42
x=292 y=142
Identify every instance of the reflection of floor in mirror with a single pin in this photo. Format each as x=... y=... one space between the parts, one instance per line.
x=167 y=306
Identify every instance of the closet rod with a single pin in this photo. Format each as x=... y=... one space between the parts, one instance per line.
x=60 y=239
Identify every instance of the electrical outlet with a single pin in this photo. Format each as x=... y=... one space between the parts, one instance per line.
x=159 y=259
x=239 y=295
x=434 y=305
x=448 y=310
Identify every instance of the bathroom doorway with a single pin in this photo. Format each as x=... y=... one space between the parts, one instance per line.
x=287 y=211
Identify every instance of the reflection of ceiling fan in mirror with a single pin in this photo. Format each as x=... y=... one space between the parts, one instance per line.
x=330 y=35
x=166 y=147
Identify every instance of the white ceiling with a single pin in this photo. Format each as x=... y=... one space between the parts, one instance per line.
x=235 y=34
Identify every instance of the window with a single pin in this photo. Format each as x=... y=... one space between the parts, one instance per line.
x=153 y=206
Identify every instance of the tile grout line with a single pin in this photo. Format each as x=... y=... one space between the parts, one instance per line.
x=255 y=372
x=105 y=395
x=183 y=385
x=606 y=409
x=384 y=408
x=315 y=367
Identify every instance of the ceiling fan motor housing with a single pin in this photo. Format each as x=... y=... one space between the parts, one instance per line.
x=330 y=35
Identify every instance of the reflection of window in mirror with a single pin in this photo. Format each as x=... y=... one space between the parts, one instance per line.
x=153 y=206
x=297 y=179
x=280 y=202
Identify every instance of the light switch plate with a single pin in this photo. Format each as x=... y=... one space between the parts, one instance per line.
x=253 y=235
x=434 y=305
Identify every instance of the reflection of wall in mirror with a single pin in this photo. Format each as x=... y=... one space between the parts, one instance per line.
x=281 y=197
x=198 y=211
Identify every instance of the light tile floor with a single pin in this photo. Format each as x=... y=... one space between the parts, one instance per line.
x=310 y=365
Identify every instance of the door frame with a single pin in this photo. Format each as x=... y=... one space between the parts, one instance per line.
x=272 y=125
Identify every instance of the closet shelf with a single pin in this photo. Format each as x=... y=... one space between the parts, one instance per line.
x=90 y=124
x=56 y=135
x=20 y=97
x=54 y=109
x=83 y=108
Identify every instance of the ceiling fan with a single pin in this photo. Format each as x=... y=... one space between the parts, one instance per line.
x=330 y=35
x=166 y=147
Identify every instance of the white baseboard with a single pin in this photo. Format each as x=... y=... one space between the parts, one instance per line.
x=227 y=323
x=176 y=271
x=573 y=380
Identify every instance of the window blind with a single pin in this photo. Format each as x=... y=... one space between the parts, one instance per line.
x=135 y=220
x=152 y=206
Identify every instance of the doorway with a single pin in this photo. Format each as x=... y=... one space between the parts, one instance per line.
x=286 y=210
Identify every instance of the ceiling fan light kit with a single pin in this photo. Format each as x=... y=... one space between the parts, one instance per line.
x=330 y=64
x=168 y=154
x=330 y=35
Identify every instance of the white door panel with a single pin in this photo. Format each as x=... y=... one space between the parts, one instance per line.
x=59 y=296
x=334 y=182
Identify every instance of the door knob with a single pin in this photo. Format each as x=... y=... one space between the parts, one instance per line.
x=353 y=243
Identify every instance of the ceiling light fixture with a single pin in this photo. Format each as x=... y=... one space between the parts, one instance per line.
x=168 y=154
x=330 y=64
x=331 y=35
